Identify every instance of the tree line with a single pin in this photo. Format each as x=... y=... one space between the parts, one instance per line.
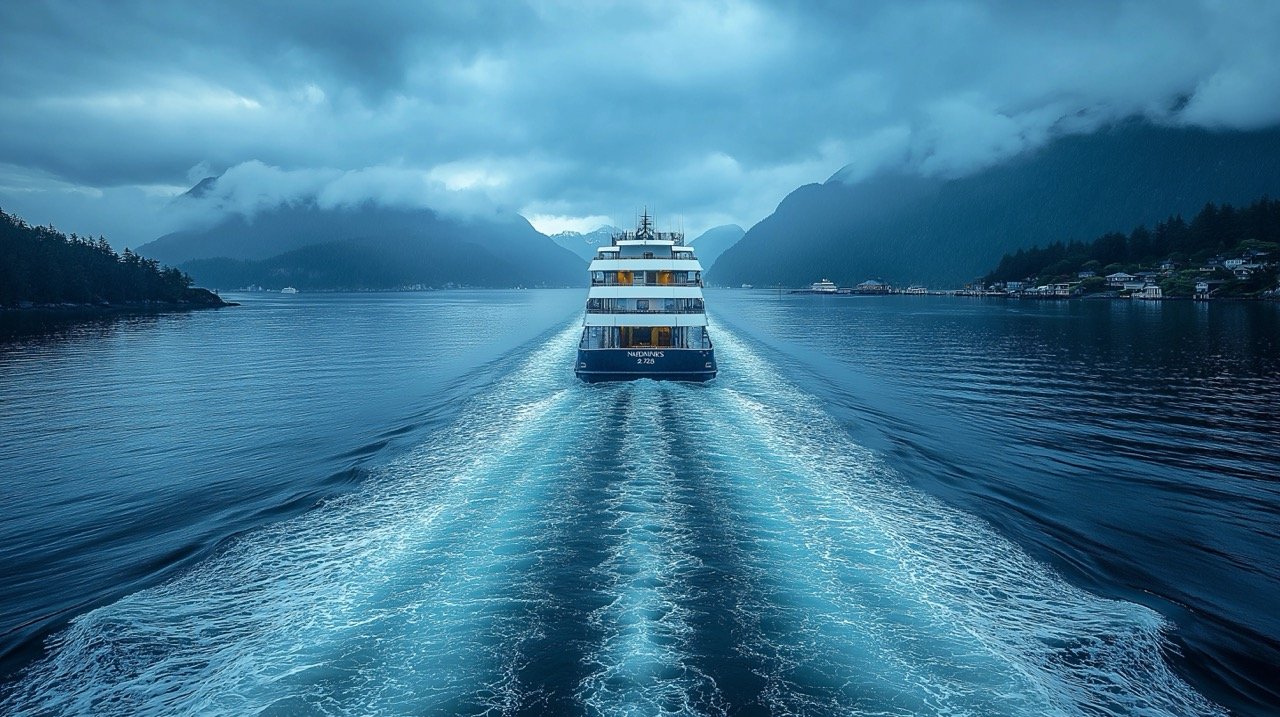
x=1215 y=230
x=45 y=266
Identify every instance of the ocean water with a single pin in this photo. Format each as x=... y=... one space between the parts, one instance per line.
x=406 y=504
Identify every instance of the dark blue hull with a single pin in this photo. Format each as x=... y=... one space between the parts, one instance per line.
x=628 y=364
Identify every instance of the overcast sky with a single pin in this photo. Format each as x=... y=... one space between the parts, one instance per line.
x=576 y=113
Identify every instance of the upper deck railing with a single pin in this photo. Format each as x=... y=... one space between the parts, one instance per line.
x=650 y=306
x=645 y=232
x=641 y=282
x=645 y=311
x=648 y=255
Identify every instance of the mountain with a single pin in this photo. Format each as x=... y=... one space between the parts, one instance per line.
x=386 y=262
x=907 y=228
x=710 y=244
x=584 y=245
x=365 y=247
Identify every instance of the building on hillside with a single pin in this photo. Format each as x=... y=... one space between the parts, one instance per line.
x=1205 y=288
x=1119 y=278
x=1244 y=271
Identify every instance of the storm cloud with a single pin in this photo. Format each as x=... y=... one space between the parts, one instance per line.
x=572 y=113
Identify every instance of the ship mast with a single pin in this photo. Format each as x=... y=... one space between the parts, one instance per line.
x=646 y=226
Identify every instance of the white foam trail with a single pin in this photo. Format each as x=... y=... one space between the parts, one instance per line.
x=913 y=602
x=642 y=665
x=392 y=599
x=856 y=593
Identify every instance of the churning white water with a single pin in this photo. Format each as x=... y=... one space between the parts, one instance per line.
x=639 y=548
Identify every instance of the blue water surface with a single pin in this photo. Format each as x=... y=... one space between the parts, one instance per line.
x=405 y=503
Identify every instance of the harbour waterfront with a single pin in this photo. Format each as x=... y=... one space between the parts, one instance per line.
x=902 y=505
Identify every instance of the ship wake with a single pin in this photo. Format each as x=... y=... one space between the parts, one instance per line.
x=634 y=548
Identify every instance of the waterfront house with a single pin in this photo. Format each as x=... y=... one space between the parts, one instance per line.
x=1134 y=285
x=871 y=286
x=1206 y=287
x=1150 y=291
x=1119 y=278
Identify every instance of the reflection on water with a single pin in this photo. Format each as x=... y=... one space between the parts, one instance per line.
x=19 y=327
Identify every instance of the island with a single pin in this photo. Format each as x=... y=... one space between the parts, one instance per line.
x=42 y=269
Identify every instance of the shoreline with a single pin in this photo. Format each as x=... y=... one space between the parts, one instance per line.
x=17 y=322
x=132 y=307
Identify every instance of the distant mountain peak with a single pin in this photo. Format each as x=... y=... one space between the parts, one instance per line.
x=720 y=228
x=202 y=188
x=709 y=245
x=584 y=245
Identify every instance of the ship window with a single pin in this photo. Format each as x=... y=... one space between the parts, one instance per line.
x=648 y=255
x=642 y=304
x=593 y=304
x=669 y=304
x=637 y=336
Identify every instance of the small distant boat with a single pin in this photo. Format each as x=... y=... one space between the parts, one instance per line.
x=747 y=286
x=288 y=290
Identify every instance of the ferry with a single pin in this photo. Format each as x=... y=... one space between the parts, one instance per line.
x=288 y=290
x=826 y=286
x=645 y=315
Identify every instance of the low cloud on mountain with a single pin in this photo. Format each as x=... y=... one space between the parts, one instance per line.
x=710 y=111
